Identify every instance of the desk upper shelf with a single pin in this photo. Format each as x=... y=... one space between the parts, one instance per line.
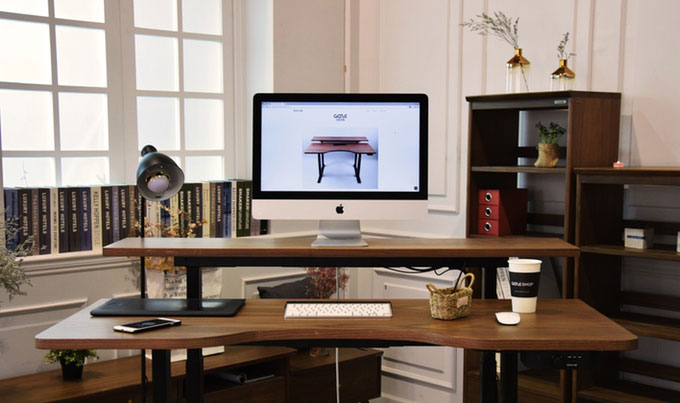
x=299 y=247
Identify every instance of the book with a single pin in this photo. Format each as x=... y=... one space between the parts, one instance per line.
x=211 y=212
x=96 y=222
x=115 y=213
x=124 y=205
x=63 y=217
x=133 y=204
x=183 y=218
x=219 y=210
x=73 y=220
x=35 y=220
x=107 y=215
x=44 y=222
x=85 y=218
x=54 y=220
x=11 y=217
x=503 y=283
x=197 y=213
x=226 y=210
x=244 y=189
x=205 y=209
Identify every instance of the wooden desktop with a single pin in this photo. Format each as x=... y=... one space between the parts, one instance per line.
x=558 y=325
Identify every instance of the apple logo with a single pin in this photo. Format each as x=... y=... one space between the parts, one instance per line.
x=340 y=209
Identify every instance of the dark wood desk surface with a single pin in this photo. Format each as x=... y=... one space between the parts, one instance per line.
x=340 y=139
x=299 y=247
x=558 y=324
x=357 y=148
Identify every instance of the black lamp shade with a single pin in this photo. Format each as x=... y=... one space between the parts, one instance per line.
x=158 y=176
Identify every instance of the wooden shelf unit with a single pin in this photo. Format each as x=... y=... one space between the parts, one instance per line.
x=495 y=161
x=599 y=234
x=297 y=377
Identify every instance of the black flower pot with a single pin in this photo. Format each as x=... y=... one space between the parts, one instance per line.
x=71 y=372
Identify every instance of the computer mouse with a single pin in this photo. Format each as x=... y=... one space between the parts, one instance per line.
x=507 y=318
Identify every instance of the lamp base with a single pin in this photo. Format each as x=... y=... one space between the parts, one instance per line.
x=168 y=307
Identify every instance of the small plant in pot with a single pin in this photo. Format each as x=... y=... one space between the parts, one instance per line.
x=72 y=361
x=548 y=150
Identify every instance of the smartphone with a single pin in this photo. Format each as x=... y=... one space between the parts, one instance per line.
x=145 y=325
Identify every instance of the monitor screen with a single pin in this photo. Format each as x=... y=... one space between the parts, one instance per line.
x=339 y=156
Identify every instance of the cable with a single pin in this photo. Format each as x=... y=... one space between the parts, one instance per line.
x=337 y=366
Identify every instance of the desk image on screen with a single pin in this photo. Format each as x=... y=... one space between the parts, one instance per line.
x=355 y=145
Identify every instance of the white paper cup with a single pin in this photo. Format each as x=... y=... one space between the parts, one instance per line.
x=524 y=277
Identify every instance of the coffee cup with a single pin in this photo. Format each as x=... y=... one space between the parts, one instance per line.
x=524 y=277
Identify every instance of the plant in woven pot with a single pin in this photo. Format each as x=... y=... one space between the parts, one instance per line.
x=548 y=150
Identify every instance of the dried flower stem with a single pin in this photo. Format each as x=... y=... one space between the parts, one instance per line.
x=499 y=25
x=561 y=53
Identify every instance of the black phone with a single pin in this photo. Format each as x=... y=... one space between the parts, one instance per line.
x=145 y=325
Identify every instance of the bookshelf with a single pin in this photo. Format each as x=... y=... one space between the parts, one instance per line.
x=599 y=233
x=501 y=152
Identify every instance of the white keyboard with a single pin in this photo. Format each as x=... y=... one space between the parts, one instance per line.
x=338 y=309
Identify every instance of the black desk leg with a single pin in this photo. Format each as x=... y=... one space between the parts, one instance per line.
x=357 y=166
x=194 y=378
x=321 y=163
x=509 y=376
x=194 y=365
x=488 y=387
x=160 y=370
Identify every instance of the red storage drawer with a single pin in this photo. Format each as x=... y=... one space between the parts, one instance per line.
x=502 y=212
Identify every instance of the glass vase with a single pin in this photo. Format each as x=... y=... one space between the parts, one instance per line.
x=517 y=73
x=562 y=79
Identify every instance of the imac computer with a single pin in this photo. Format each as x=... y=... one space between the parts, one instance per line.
x=339 y=158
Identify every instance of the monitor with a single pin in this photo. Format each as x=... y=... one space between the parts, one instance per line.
x=339 y=158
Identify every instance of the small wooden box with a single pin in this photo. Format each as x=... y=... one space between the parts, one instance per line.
x=502 y=212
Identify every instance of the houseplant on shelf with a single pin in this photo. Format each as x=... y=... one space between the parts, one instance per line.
x=548 y=150
x=325 y=281
x=563 y=78
x=72 y=361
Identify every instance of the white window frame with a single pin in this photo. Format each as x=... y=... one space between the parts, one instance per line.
x=113 y=89
x=231 y=50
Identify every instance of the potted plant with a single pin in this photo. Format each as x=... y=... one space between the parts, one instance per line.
x=72 y=362
x=12 y=275
x=548 y=150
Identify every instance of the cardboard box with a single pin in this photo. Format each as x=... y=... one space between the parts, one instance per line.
x=639 y=238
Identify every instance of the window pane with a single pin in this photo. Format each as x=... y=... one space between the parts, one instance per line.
x=26 y=60
x=84 y=171
x=157 y=63
x=81 y=56
x=202 y=16
x=158 y=122
x=28 y=172
x=156 y=14
x=33 y=7
x=26 y=120
x=202 y=66
x=203 y=124
x=82 y=10
x=83 y=121
x=204 y=169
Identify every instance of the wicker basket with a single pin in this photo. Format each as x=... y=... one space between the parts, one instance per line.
x=451 y=303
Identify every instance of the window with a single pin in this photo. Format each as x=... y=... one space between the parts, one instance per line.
x=85 y=84
x=54 y=92
x=180 y=75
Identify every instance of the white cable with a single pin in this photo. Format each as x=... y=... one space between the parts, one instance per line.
x=337 y=366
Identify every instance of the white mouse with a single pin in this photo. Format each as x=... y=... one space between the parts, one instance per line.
x=507 y=318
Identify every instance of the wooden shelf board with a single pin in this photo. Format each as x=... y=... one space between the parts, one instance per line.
x=528 y=169
x=628 y=392
x=650 y=369
x=651 y=326
x=619 y=250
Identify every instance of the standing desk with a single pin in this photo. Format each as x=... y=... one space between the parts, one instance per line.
x=327 y=144
x=558 y=324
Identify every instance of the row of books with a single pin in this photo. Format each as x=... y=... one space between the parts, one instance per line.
x=73 y=219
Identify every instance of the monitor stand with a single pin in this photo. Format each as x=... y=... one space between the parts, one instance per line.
x=339 y=233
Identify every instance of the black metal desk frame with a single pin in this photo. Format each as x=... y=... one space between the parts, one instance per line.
x=194 y=364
